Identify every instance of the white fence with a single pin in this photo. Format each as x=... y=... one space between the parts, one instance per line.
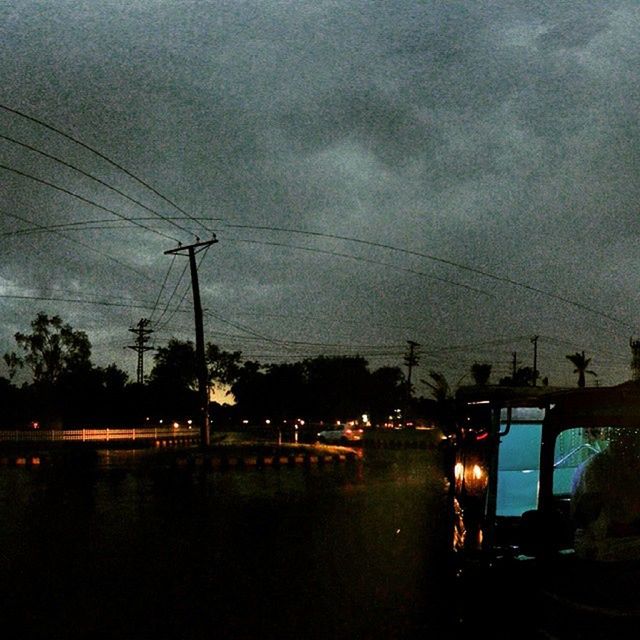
x=99 y=435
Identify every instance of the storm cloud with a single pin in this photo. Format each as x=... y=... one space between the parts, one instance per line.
x=480 y=157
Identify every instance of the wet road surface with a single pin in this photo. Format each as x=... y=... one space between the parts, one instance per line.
x=124 y=550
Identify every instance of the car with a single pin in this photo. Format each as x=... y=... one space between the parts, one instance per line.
x=340 y=434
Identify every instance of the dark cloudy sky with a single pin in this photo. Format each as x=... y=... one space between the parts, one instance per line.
x=460 y=174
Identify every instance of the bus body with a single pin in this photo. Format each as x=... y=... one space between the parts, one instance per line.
x=515 y=454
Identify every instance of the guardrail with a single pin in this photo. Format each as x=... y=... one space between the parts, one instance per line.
x=98 y=435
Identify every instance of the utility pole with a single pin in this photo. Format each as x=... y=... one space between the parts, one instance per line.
x=535 y=359
x=514 y=365
x=411 y=360
x=635 y=358
x=142 y=332
x=201 y=364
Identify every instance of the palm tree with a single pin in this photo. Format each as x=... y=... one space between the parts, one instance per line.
x=443 y=406
x=581 y=363
x=439 y=386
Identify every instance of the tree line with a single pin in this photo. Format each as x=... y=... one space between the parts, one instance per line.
x=62 y=388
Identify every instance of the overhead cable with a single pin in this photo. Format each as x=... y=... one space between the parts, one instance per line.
x=104 y=157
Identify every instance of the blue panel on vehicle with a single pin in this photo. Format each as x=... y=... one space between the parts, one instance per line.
x=518 y=469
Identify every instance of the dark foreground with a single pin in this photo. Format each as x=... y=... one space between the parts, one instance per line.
x=128 y=550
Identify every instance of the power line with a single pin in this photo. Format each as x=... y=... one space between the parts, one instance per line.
x=86 y=296
x=83 y=225
x=445 y=261
x=176 y=308
x=579 y=346
x=390 y=247
x=394 y=348
x=286 y=344
x=306 y=356
x=96 y=179
x=102 y=253
x=164 y=282
x=362 y=259
x=82 y=244
x=87 y=200
x=104 y=303
x=173 y=293
x=104 y=157
x=241 y=327
x=186 y=291
x=484 y=343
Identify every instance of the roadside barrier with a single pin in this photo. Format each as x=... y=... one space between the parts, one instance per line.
x=176 y=442
x=409 y=439
x=216 y=461
x=146 y=434
x=222 y=461
x=20 y=461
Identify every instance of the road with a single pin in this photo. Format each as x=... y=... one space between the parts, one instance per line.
x=120 y=549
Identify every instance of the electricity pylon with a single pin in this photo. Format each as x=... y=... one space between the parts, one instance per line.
x=143 y=333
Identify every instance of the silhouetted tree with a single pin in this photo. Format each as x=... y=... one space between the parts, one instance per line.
x=175 y=366
x=53 y=352
x=285 y=393
x=386 y=391
x=444 y=403
x=580 y=362
x=52 y=349
x=13 y=363
x=94 y=397
x=523 y=378
x=10 y=398
x=336 y=386
x=322 y=388
x=223 y=366
x=173 y=381
x=480 y=373
x=249 y=389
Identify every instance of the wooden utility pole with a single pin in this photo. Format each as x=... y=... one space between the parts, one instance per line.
x=535 y=359
x=635 y=358
x=201 y=364
x=142 y=337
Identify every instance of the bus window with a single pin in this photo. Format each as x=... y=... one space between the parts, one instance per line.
x=573 y=447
